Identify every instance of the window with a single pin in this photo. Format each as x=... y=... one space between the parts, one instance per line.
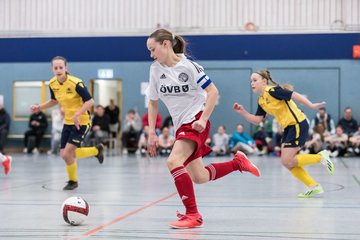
x=27 y=93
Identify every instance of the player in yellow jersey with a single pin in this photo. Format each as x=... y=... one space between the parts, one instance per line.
x=278 y=101
x=74 y=98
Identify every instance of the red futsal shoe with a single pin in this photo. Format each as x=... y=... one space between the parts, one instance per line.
x=7 y=164
x=193 y=220
x=245 y=165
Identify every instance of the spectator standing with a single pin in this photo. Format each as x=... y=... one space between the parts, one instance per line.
x=113 y=112
x=100 y=125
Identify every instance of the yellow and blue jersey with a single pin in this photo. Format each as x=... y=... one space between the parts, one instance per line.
x=71 y=95
x=277 y=101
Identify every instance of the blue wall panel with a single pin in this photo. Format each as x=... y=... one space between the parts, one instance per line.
x=218 y=47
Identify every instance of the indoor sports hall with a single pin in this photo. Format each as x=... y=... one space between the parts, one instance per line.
x=104 y=50
x=126 y=204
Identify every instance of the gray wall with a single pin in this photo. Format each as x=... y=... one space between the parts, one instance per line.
x=335 y=81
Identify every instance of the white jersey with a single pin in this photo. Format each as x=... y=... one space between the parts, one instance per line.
x=181 y=88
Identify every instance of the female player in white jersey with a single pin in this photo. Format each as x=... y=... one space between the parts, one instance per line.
x=190 y=97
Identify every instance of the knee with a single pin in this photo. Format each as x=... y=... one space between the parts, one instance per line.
x=66 y=155
x=198 y=180
x=288 y=163
x=173 y=163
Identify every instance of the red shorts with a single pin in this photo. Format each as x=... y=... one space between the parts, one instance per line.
x=187 y=132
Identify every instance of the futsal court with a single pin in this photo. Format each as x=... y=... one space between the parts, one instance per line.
x=133 y=197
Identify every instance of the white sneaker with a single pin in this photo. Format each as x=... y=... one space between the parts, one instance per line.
x=25 y=150
x=311 y=192
x=125 y=151
x=35 y=150
x=325 y=160
x=334 y=153
x=357 y=150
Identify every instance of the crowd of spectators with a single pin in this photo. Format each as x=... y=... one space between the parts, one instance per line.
x=341 y=138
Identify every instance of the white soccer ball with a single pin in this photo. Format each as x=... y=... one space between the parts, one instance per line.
x=75 y=210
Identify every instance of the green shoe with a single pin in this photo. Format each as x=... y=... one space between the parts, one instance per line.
x=325 y=160
x=311 y=192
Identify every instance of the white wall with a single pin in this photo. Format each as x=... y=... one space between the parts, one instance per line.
x=132 y=17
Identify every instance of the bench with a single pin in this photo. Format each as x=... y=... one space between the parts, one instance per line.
x=21 y=136
x=15 y=142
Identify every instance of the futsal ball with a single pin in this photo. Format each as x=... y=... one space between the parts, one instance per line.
x=75 y=210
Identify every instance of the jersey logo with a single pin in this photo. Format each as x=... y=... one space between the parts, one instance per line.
x=81 y=84
x=174 y=89
x=183 y=77
x=163 y=76
x=68 y=91
x=184 y=197
x=182 y=133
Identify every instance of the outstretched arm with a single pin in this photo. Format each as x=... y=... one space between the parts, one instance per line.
x=306 y=102
x=50 y=103
x=248 y=116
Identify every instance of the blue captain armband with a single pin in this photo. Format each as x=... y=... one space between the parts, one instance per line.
x=204 y=81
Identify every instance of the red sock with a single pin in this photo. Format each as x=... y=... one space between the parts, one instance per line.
x=185 y=189
x=219 y=170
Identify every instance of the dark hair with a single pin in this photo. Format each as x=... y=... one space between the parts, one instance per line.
x=178 y=43
x=223 y=126
x=266 y=74
x=132 y=111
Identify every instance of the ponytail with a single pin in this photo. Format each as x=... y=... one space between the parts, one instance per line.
x=178 y=42
x=266 y=74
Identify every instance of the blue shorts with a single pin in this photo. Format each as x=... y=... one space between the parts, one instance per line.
x=73 y=136
x=295 y=135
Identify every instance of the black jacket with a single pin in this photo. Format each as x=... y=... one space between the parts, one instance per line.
x=4 y=120
x=41 y=118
